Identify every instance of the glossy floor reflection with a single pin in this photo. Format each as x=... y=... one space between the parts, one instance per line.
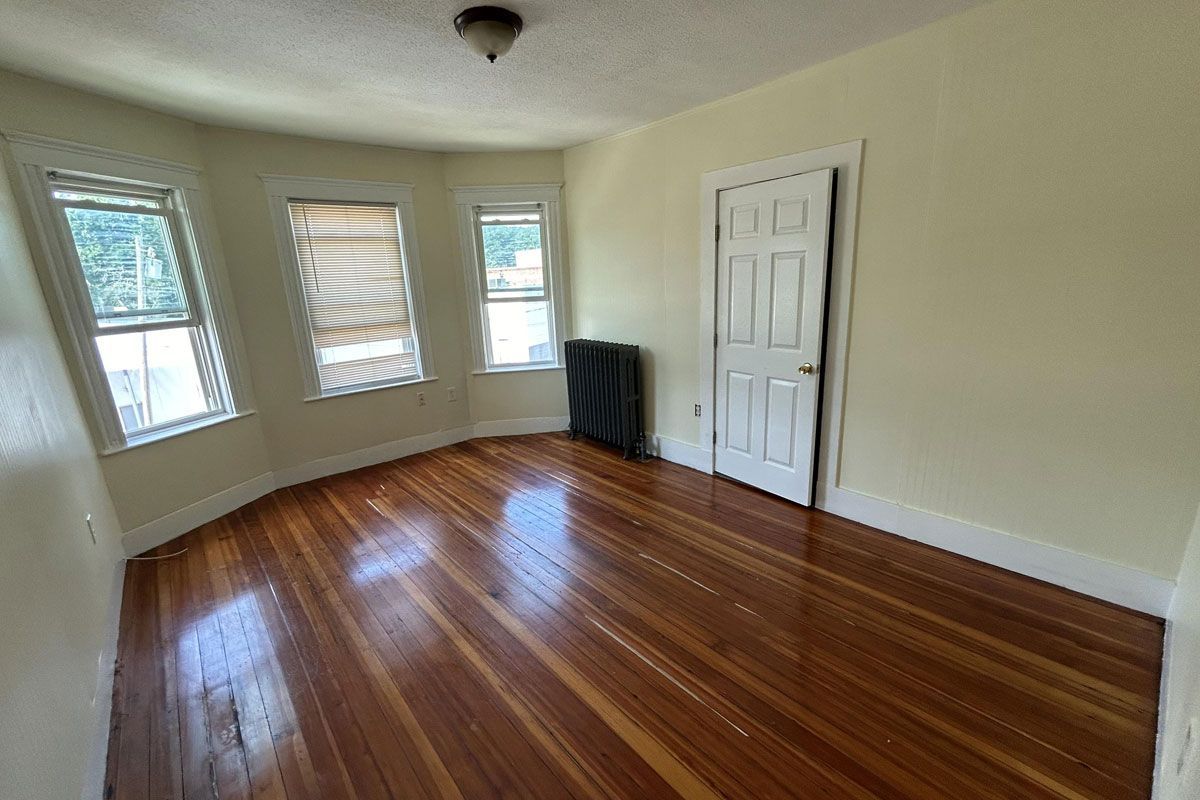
x=535 y=618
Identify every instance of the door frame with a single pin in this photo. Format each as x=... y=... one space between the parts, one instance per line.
x=846 y=159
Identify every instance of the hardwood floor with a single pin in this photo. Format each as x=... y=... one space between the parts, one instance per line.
x=534 y=618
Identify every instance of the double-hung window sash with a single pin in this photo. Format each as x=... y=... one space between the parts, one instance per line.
x=504 y=274
x=514 y=281
x=127 y=245
x=145 y=321
x=356 y=293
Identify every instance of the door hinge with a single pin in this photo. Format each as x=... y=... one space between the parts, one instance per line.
x=717 y=232
x=714 y=437
x=714 y=341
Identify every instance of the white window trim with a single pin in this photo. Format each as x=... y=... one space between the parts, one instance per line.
x=467 y=199
x=280 y=189
x=35 y=156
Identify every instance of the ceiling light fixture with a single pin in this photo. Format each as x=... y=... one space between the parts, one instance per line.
x=490 y=30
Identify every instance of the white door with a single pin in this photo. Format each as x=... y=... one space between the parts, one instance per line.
x=772 y=253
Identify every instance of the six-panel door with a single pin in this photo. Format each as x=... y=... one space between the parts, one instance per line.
x=772 y=254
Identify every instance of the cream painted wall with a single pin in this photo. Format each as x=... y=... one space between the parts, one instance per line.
x=513 y=395
x=55 y=584
x=145 y=482
x=1024 y=334
x=148 y=482
x=1179 y=773
x=502 y=169
x=297 y=431
x=33 y=106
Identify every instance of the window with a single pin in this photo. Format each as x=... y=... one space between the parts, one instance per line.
x=125 y=262
x=347 y=254
x=510 y=243
x=151 y=343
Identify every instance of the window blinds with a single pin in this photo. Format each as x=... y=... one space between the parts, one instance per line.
x=354 y=279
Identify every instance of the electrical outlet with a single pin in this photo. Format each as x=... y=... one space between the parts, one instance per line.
x=697 y=409
x=420 y=398
x=451 y=394
x=91 y=530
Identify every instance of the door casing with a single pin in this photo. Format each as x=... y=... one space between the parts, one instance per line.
x=846 y=159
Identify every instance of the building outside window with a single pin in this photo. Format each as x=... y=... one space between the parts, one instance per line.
x=513 y=270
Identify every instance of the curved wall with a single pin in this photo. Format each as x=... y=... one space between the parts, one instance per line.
x=156 y=487
x=297 y=431
x=145 y=482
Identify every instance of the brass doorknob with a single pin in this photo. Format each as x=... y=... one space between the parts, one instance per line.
x=806 y=369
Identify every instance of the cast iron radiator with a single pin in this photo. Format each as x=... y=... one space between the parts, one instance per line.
x=604 y=392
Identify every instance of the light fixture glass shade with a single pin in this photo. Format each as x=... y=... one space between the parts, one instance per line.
x=490 y=38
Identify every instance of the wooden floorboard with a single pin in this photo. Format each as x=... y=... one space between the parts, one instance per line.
x=532 y=617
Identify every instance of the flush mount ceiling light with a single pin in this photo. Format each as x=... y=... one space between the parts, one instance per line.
x=490 y=30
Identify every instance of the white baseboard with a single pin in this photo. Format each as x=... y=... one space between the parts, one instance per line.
x=517 y=427
x=177 y=523
x=356 y=459
x=688 y=455
x=1115 y=583
x=94 y=772
x=1095 y=577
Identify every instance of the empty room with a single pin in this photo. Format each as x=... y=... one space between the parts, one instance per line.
x=600 y=399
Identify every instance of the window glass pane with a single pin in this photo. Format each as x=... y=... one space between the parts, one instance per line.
x=519 y=332
x=155 y=377
x=358 y=351
x=512 y=255
x=129 y=264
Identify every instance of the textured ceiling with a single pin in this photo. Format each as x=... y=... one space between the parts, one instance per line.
x=396 y=73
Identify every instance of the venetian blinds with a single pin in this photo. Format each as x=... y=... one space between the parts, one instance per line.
x=354 y=279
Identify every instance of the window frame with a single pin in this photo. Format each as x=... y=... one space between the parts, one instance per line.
x=283 y=189
x=43 y=162
x=471 y=203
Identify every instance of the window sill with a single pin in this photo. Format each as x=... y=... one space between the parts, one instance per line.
x=362 y=389
x=171 y=433
x=518 y=368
